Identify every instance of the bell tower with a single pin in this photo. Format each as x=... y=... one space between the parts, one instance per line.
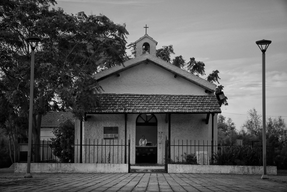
x=145 y=45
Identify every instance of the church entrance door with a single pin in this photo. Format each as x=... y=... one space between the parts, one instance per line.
x=146 y=139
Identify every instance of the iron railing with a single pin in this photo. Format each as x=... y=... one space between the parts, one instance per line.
x=101 y=151
x=190 y=151
x=90 y=151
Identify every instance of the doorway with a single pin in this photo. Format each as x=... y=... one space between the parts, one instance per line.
x=146 y=125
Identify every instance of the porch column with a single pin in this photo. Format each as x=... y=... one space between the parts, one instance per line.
x=212 y=136
x=169 y=134
x=126 y=117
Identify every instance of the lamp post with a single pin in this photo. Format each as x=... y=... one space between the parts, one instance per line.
x=263 y=45
x=33 y=42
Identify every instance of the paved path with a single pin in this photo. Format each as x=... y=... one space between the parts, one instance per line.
x=137 y=182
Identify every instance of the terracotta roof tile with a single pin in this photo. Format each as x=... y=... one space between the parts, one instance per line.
x=155 y=103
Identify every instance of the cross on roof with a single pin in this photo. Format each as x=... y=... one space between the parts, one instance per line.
x=146 y=28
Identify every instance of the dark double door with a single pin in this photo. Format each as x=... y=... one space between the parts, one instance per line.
x=146 y=125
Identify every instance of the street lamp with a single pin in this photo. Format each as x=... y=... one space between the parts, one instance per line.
x=263 y=45
x=33 y=42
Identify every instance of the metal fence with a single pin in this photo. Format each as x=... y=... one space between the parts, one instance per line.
x=44 y=149
x=190 y=151
x=204 y=152
x=90 y=151
x=101 y=151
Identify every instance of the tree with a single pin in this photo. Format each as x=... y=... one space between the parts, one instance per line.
x=276 y=142
x=165 y=52
x=178 y=61
x=213 y=77
x=70 y=53
x=226 y=130
x=193 y=66
x=196 y=67
x=254 y=124
x=63 y=144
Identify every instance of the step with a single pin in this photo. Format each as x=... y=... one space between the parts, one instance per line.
x=147 y=169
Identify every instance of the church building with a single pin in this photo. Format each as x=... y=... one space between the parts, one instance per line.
x=146 y=102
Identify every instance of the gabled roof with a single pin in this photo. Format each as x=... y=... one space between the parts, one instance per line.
x=167 y=66
x=145 y=36
x=155 y=103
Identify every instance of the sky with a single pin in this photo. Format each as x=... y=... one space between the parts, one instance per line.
x=222 y=34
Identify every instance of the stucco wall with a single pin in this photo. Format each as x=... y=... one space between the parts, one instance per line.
x=94 y=135
x=148 y=78
x=191 y=135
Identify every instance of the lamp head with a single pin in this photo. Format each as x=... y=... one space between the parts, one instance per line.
x=263 y=44
x=220 y=97
x=33 y=41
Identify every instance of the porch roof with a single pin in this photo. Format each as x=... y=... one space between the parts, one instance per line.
x=155 y=103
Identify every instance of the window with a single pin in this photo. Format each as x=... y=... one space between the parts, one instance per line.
x=111 y=132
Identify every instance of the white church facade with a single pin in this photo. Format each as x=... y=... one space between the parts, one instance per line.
x=147 y=97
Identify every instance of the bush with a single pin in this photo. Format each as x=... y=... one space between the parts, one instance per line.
x=5 y=160
x=189 y=159
x=238 y=155
x=280 y=159
x=63 y=144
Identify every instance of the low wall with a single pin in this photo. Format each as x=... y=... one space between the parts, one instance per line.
x=227 y=169
x=71 y=168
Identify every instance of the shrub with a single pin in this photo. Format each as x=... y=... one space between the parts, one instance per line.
x=189 y=158
x=238 y=155
x=63 y=144
x=5 y=160
x=280 y=159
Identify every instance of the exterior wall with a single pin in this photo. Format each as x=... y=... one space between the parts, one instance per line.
x=191 y=135
x=133 y=81
x=190 y=126
x=46 y=134
x=93 y=134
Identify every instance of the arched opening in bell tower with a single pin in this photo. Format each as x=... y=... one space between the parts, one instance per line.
x=146 y=48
